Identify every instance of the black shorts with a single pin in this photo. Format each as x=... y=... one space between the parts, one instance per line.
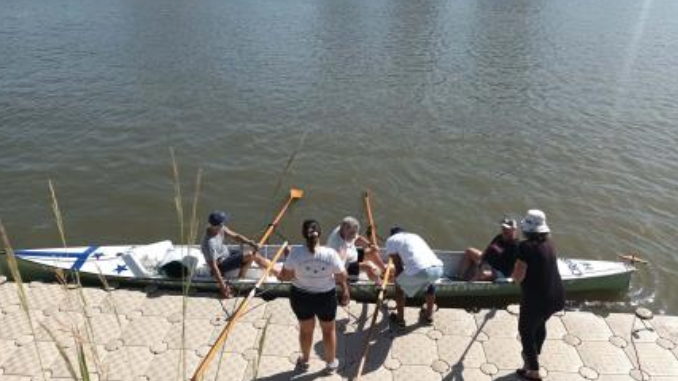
x=353 y=268
x=232 y=262
x=306 y=305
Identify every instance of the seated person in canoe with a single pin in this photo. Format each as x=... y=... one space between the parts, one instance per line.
x=355 y=250
x=500 y=254
x=220 y=259
x=417 y=269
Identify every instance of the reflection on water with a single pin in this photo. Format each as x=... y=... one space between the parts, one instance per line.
x=452 y=113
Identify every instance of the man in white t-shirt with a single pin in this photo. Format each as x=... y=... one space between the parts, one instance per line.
x=355 y=250
x=417 y=270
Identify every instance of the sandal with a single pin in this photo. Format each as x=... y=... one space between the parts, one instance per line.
x=302 y=365
x=393 y=318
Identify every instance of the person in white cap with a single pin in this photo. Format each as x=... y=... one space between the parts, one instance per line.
x=500 y=254
x=542 y=292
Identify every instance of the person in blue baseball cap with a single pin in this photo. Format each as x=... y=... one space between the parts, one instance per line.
x=218 y=256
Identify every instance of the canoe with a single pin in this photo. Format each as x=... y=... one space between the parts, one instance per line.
x=142 y=265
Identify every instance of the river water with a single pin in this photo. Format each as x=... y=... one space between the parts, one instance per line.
x=452 y=113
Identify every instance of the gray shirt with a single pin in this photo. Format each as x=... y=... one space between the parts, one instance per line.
x=213 y=247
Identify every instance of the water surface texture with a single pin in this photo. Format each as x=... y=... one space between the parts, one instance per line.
x=453 y=113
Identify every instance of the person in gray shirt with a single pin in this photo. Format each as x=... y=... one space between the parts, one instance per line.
x=220 y=259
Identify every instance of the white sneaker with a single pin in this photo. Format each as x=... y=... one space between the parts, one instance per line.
x=332 y=367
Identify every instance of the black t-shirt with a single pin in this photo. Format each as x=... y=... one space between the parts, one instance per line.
x=501 y=255
x=542 y=289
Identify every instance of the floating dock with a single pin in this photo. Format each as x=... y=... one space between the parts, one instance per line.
x=137 y=336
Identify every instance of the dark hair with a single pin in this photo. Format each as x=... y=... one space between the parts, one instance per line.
x=537 y=237
x=395 y=230
x=309 y=223
x=217 y=218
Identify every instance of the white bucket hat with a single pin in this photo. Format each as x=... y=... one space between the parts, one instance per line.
x=534 y=222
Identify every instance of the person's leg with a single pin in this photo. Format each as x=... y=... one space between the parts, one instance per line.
x=430 y=298
x=527 y=326
x=400 y=303
x=246 y=263
x=306 y=328
x=541 y=333
x=374 y=257
x=329 y=340
x=370 y=270
x=471 y=259
x=263 y=263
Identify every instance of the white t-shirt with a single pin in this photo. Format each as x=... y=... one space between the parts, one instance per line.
x=314 y=272
x=345 y=249
x=414 y=252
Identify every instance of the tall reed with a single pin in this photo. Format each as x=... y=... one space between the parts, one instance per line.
x=23 y=297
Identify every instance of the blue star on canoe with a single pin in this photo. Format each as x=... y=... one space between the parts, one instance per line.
x=120 y=269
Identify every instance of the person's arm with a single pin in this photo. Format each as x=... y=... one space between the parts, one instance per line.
x=285 y=274
x=216 y=273
x=519 y=271
x=240 y=238
x=341 y=278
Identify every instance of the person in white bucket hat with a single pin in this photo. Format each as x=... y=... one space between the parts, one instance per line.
x=542 y=292
x=534 y=222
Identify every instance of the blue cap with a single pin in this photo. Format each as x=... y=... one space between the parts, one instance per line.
x=395 y=230
x=218 y=217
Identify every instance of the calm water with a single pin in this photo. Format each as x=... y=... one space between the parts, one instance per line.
x=453 y=113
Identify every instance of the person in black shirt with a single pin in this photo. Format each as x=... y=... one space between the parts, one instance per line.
x=500 y=254
x=542 y=293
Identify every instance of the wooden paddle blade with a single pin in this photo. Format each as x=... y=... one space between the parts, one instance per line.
x=632 y=258
x=296 y=193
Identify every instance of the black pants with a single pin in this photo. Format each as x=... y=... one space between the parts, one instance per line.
x=532 y=328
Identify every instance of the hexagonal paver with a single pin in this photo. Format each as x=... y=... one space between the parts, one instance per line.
x=497 y=323
x=555 y=329
x=557 y=356
x=565 y=376
x=379 y=374
x=604 y=357
x=655 y=360
x=231 y=367
x=280 y=340
x=145 y=331
x=24 y=360
x=62 y=368
x=415 y=349
x=122 y=302
x=418 y=372
x=666 y=327
x=170 y=365
x=6 y=348
x=162 y=304
x=623 y=325
x=466 y=374
x=461 y=350
x=503 y=352
x=455 y=322
x=586 y=326
x=15 y=324
x=118 y=363
x=196 y=332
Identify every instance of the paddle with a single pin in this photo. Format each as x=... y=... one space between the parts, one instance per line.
x=632 y=258
x=295 y=194
x=202 y=368
x=380 y=296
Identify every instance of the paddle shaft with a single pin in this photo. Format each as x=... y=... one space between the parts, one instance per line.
x=204 y=364
x=380 y=300
x=380 y=296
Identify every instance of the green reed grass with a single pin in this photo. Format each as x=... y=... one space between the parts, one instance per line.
x=188 y=237
x=23 y=298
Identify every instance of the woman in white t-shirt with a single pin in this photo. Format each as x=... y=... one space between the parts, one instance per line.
x=355 y=250
x=314 y=271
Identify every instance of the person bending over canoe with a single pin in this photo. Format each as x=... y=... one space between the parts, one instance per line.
x=219 y=258
x=417 y=269
x=500 y=254
x=314 y=271
x=355 y=250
